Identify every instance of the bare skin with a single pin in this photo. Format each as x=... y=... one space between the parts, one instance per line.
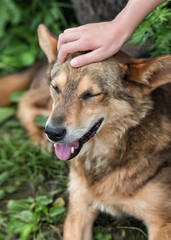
x=106 y=38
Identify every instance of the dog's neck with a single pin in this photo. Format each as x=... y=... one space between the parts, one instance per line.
x=107 y=149
x=104 y=152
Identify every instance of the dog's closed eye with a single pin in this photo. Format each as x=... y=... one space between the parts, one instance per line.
x=89 y=95
x=56 y=89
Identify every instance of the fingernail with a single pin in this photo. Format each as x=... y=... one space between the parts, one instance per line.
x=74 y=63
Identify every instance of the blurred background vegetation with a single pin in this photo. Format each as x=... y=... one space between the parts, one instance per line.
x=19 y=21
x=156 y=29
x=33 y=185
x=18 y=29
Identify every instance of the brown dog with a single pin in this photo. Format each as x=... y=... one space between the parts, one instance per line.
x=112 y=119
x=36 y=102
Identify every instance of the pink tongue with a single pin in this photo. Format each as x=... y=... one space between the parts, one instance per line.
x=63 y=151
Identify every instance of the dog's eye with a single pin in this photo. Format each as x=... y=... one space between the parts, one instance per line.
x=88 y=95
x=56 y=89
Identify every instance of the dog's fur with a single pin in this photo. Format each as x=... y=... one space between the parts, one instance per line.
x=126 y=167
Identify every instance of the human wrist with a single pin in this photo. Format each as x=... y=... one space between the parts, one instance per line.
x=136 y=11
x=122 y=27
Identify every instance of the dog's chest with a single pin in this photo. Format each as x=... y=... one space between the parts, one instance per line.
x=103 y=196
x=106 y=198
x=99 y=159
x=84 y=195
x=112 y=209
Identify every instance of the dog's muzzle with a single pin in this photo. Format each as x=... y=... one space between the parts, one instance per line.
x=67 y=151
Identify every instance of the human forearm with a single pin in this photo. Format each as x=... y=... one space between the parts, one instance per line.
x=134 y=13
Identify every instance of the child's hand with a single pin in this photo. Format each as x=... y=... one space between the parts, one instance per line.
x=103 y=39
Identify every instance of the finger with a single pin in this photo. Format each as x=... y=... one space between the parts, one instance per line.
x=82 y=60
x=71 y=29
x=70 y=47
x=74 y=29
x=66 y=37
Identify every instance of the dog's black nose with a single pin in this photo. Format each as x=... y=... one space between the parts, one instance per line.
x=55 y=133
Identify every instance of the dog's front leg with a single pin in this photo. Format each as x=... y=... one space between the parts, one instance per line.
x=78 y=224
x=81 y=215
x=160 y=233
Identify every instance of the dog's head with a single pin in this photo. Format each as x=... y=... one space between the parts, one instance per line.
x=114 y=93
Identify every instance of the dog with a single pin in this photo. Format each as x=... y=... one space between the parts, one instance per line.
x=35 y=102
x=111 y=119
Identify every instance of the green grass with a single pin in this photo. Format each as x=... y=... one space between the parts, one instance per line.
x=34 y=197
x=33 y=187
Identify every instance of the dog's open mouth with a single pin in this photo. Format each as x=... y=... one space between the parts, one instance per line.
x=70 y=150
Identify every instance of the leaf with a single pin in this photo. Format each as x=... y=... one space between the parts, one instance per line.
x=16 y=206
x=9 y=12
x=25 y=216
x=27 y=230
x=24 y=59
x=7 y=112
x=15 y=225
x=2 y=193
x=30 y=200
x=41 y=121
x=55 y=211
x=40 y=208
x=44 y=200
x=16 y=97
x=123 y=233
x=5 y=175
x=12 y=124
x=35 y=218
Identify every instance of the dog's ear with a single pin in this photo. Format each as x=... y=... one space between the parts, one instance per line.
x=149 y=73
x=48 y=42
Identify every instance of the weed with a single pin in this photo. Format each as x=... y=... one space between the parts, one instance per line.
x=156 y=28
